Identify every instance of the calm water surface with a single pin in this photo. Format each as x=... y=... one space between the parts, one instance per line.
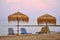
x=4 y=25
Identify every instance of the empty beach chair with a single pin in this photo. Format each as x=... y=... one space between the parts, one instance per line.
x=10 y=31
x=23 y=31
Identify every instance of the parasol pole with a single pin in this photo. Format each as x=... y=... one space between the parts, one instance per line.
x=18 y=27
x=46 y=27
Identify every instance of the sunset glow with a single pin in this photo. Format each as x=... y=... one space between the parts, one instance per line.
x=38 y=4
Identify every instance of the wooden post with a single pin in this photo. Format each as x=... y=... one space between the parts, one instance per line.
x=17 y=26
x=46 y=27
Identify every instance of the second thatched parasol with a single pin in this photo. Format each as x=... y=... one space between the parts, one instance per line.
x=18 y=16
x=46 y=18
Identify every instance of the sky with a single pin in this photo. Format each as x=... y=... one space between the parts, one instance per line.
x=32 y=8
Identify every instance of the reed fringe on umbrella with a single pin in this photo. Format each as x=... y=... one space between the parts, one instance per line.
x=46 y=18
x=18 y=16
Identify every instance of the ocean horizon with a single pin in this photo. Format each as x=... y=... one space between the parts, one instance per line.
x=30 y=27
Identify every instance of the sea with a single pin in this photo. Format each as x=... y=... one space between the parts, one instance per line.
x=31 y=27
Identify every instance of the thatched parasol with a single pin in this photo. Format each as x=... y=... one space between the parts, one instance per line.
x=17 y=16
x=46 y=18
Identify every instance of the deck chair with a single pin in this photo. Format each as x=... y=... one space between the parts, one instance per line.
x=23 y=31
x=10 y=31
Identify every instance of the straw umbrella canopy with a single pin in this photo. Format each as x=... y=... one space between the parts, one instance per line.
x=18 y=16
x=46 y=18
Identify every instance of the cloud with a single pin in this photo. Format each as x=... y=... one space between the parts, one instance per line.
x=38 y=4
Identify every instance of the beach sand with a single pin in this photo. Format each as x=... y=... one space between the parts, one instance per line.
x=32 y=37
